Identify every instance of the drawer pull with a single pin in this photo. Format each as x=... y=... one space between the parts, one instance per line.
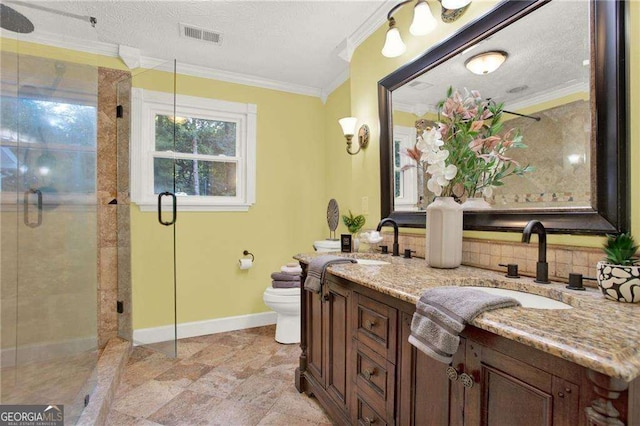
x=467 y=380
x=368 y=324
x=452 y=374
x=369 y=373
x=369 y=421
x=325 y=298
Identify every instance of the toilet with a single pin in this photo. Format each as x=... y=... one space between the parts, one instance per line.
x=286 y=303
x=325 y=246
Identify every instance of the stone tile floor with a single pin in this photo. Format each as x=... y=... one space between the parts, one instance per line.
x=237 y=378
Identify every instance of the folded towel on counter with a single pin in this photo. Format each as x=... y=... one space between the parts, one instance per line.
x=317 y=269
x=292 y=270
x=285 y=284
x=281 y=276
x=442 y=313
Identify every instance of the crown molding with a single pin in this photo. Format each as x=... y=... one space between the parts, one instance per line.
x=549 y=95
x=368 y=27
x=228 y=76
x=420 y=109
x=50 y=39
x=334 y=84
x=112 y=50
x=417 y=109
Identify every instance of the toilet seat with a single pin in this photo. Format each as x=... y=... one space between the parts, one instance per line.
x=326 y=245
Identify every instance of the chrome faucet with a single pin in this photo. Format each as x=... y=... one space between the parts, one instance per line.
x=542 y=267
x=396 y=246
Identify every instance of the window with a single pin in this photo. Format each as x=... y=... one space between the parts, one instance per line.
x=405 y=189
x=204 y=153
x=48 y=144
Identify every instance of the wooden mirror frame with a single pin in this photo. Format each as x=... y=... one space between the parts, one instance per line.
x=609 y=83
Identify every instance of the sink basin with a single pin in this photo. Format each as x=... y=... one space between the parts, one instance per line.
x=527 y=300
x=371 y=262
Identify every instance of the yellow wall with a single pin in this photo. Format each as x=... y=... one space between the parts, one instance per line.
x=338 y=163
x=368 y=66
x=288 y=216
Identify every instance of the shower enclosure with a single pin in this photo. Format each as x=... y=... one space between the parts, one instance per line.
x=48 y=224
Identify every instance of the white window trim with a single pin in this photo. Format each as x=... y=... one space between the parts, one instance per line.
x=145 y=104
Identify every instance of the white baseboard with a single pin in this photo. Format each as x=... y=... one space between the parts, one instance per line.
x=46 y=351
x=145 y=336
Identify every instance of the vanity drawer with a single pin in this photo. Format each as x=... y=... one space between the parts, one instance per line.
x=376 y=325
x=375 y=378
x=365 y=414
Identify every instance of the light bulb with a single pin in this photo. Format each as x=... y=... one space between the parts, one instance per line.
x=393 y=45
x=348 y=125
x=423 y=20
x=455 y=4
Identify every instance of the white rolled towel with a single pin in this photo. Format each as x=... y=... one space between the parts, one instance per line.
x=293 y=270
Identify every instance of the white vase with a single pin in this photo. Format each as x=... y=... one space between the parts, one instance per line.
x=444 y=233
x=475 y=203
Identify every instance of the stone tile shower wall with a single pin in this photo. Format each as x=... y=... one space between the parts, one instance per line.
x=562 y=175
x=113 y=214
x=488 y=254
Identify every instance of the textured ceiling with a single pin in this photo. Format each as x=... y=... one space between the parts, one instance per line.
x=546 y=53
x=291 y=41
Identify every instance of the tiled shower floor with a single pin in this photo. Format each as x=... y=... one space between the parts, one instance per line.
x=237 y=378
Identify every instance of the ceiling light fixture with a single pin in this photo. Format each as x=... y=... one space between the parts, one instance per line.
x=487 y=62
x=423 y=23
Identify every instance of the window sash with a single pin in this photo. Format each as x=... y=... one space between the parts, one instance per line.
x=214 y=116
x=149 y=103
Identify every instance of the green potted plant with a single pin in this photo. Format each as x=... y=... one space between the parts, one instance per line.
x=354 y=224
x=619 y=275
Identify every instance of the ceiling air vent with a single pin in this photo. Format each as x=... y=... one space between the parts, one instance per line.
x=419 y=85
x=197 y=33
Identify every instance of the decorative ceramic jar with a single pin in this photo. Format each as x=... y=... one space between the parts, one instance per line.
x=620 y=283
x=444 y=233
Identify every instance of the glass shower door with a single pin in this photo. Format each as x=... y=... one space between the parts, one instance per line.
x=153 y=232
x=49 y=139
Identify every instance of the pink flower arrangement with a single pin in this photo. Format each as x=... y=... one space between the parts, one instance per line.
x=467 y=152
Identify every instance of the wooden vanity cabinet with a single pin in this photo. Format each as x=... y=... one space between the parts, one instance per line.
x=357 y=362
x=328 y=355
x=486 y=386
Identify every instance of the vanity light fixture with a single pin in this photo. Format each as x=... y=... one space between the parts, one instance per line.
x=423 y=23
x=455 y=4
x=348 y=125
x=487 y=62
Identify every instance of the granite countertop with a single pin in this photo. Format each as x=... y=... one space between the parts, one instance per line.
x=598 y=333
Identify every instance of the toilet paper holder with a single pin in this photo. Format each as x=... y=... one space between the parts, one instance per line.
x=248 y=253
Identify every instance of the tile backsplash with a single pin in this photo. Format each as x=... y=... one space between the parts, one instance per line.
x=487 y=254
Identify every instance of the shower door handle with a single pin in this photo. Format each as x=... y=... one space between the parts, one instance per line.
x=27 y=222
x=175 y=209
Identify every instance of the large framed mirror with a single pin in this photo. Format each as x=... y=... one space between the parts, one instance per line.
x=563 y=84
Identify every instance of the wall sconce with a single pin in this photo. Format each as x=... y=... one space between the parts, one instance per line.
x=423 y=23
x=487 y=62
x=348 y=125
